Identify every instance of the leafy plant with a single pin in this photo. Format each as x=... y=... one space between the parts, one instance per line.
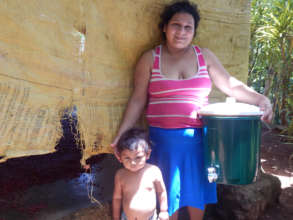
x=271 y=56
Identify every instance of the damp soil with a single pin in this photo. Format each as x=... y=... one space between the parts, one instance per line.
x=276 y=150
x=19 y=175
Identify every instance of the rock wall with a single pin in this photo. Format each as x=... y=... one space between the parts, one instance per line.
x=55 y=54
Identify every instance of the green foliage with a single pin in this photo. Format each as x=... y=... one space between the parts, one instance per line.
x=271 y=55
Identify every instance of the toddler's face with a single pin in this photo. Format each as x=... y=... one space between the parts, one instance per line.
x=134 y=160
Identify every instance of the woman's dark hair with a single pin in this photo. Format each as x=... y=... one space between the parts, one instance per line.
x=130 y=140
x=179 y=7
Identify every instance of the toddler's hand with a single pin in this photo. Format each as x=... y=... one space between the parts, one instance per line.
x=163 y=215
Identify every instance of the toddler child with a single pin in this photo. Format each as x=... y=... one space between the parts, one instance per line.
x=138 y=183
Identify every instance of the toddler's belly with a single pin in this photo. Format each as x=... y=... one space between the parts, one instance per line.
x=141 y=205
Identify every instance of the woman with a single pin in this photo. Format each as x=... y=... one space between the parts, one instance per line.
x=174 y=81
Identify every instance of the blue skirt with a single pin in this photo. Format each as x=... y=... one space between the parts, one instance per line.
x=179 y=154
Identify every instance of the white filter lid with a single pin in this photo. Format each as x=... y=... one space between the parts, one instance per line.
x=230 y=108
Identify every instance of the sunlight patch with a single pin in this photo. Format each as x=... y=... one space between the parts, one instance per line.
x=286 y=181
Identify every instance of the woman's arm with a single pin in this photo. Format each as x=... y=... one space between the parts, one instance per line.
x=235 y=88
x=138 y=99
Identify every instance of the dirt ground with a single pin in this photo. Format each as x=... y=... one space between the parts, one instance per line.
x=275 y=152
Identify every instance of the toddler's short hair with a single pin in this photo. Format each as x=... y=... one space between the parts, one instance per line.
x=130 y=140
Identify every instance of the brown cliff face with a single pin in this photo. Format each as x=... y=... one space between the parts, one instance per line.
x=57 y=54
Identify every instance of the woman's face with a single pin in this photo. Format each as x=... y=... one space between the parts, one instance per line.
x=180 y=30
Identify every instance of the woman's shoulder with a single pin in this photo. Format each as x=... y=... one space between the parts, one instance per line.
x=146 y=58
x=147 y=54
x=151 y=52
x=207 y=54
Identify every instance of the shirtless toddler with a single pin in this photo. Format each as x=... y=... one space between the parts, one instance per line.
x=138 y=183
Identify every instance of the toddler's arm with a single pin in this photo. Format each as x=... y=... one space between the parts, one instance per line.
x=117 y=198
x=162 y=195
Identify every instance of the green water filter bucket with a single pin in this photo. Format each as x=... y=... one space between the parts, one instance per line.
x=231 y=137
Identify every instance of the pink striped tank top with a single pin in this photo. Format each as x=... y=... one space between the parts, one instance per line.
x=174 y=103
